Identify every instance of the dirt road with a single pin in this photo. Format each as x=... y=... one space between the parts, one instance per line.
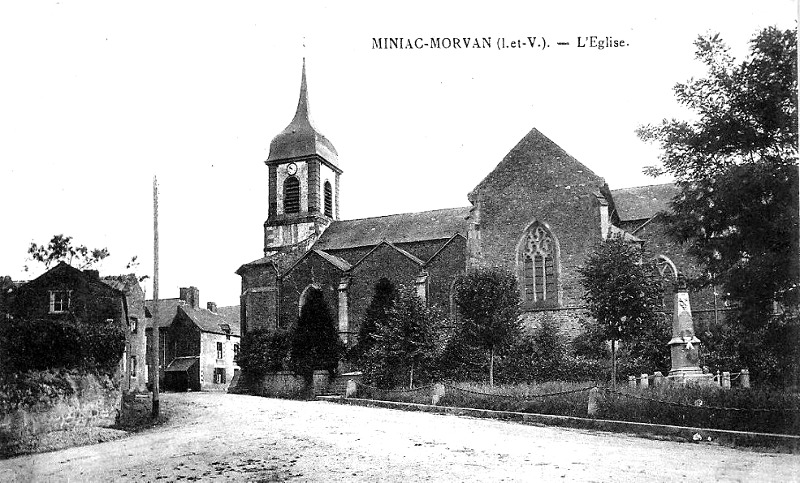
x=243 y=438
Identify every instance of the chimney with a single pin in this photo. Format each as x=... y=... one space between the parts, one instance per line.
x=191 y=295
x=212 y=306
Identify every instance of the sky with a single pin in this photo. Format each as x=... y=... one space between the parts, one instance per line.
x=97 y=98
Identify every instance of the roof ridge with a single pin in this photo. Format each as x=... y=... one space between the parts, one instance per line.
x=405 y=213
x=669 y=183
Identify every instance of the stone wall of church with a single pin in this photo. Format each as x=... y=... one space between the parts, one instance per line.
x=657 y=242
x=571 y=215
x=385 y=261
x=568 y=320
x=312 y=269
x=443 y=270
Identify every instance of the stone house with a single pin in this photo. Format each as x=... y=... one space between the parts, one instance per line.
x=67 y=293
x=135 y=348
x=537 y=214
x=197 y=345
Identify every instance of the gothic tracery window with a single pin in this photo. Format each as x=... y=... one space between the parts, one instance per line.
x=291 y=195
x=538 y=265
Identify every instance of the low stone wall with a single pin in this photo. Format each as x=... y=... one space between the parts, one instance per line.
x=95 y=402
x=287 y=384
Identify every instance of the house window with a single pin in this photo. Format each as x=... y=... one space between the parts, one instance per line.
x=235 y=350
x=538 y=266
x=219 y=375
x=219 y=350
x=133 y=366
x=291 y=195
x=134 y=324
x=328 y=199
x=59 y=301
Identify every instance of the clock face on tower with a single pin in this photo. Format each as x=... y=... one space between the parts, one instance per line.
x=291 y=169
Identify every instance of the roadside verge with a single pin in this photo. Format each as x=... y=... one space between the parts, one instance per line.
x=776 y=442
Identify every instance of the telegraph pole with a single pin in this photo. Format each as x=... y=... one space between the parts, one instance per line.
x=156 y=335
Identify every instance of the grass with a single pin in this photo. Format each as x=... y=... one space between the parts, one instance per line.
x=755 y=410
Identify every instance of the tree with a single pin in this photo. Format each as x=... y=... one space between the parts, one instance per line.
x=404 y=341
x=488 y=301
x=537 y=355
x=622 y=292
x=314 y=342
x=377 y=314
x=263 y=350
x=735 y=166
x=61 y=249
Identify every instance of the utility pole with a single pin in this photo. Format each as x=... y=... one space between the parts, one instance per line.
x=156 y=335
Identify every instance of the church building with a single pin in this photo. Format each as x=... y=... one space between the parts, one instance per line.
x=537 y=214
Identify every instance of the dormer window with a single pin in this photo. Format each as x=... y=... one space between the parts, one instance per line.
x=59 y=301
x=291 y=195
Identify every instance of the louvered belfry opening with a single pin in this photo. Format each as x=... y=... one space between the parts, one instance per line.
x=328 y=200
x=291 y=195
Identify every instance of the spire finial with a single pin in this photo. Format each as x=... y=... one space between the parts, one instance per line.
x=302 y=103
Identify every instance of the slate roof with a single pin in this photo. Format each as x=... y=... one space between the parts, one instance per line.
x=182 y=364
x=300 y=137
x=124 y=283
x=214 y=322
x=643 y=202
x=167 y=308
x=281 y=260
x=336 y=261
x=401 y=228
x=537 y=160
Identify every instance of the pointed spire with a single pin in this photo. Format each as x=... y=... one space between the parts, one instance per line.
x=300 y=137
x=302 y=116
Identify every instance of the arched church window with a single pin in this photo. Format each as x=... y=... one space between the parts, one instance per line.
x=328 y=199
x=291 y=195
x=538 y=257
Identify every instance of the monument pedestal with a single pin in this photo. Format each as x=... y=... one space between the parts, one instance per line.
x=684 y=346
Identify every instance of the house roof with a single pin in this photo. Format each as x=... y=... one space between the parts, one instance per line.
x=182 y=364
x=64 y=273
x=214 y=322
x=124 y=283
x=643 y=202
x=167 y=309
x=400 y=228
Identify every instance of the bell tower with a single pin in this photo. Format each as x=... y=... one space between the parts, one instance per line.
x=303 y=181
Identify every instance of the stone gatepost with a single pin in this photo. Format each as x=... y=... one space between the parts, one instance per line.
x=591 y=407
x=726 y=380
x=351 y=389
x=744 y=378
x=684 y=346
x=437 y=393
